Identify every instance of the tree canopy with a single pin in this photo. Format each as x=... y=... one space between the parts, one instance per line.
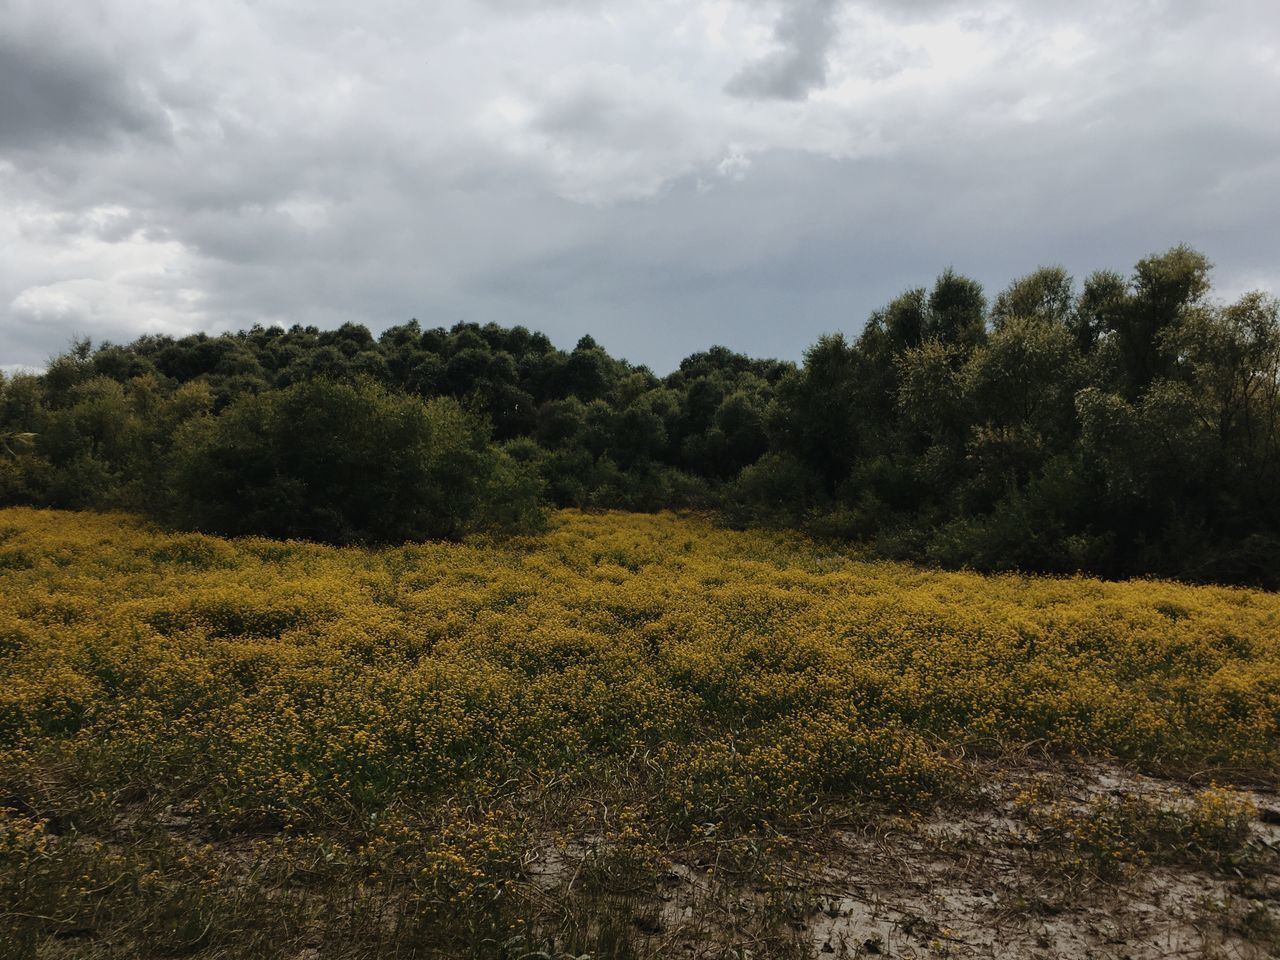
x=1121 y=425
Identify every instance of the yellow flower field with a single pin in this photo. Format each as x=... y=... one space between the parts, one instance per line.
x=715 y=679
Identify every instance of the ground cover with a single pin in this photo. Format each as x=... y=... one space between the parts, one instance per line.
x=635 y=735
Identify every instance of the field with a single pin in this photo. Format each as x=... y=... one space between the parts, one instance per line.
x=632 y=736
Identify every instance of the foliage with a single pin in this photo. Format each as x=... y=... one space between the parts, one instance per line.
x=1130 y=425
x=199 y=736
x=291 y=680
x=1134 y=428
x=347 y=463
x=1111 y=837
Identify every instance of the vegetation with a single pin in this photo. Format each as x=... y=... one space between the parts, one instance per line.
x=346 y=463
x=261 y=748
x=1110 y=838
x=435 y=718
x=1120 y=426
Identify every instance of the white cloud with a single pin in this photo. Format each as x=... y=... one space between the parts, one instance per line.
x=735 y=165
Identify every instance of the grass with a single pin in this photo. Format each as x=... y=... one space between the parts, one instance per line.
x=506 y=749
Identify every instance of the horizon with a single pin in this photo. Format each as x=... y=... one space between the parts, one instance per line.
x=795 y=356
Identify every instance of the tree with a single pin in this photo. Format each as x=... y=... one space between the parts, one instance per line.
x=346 y=463
x=1099 y=308
x=1042 y=295
x=957 y=311
x=1164 y=289
x=818 y=417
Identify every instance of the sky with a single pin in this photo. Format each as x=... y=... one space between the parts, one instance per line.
x=662 y=175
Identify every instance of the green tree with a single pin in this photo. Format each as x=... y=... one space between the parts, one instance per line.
x=347 y=462
x=1044 y=294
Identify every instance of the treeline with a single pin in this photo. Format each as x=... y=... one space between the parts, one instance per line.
x=1128 y=425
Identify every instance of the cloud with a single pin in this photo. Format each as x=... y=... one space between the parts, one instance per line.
x=59 y=93
x=579 y=166
x=804 y=32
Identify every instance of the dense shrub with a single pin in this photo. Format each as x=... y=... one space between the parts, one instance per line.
x=1124 y=426
x=344 y=463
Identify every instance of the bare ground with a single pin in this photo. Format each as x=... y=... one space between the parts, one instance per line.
x=971 y=879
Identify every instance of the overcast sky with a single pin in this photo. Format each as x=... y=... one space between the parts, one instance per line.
x=662 y=175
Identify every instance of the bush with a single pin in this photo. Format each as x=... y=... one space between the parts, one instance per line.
x=779 y=488
x=347 y=463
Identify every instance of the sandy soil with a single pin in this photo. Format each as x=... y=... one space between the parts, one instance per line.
x=969 y=880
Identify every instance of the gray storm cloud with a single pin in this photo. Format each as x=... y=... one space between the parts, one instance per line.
x=804 y=31
x=58 y=94
x=664 y=176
